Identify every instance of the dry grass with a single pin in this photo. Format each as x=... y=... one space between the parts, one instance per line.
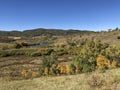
x=110 y=81
x=13 y=65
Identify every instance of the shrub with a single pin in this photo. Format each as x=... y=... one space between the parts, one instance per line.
x=86 y=68
x=59 y=52
x=73 y=69
x=54 y=70
x=46 y=71
x=17 y=46
x=114 y=64
x=113 y=53
x=34 y=54
x=49 y=61
x=82 y=65
x=25 y=74
x=41 y=52
x=68 y=69
x=47 y=52
x=23 y=44
x=41 y=70
x=101 y=62
x=62 y=69
x=49 y=65
x=29 y=74
x=20 y=45
x=35 y=74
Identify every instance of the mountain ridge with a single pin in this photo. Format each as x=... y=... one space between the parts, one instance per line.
x=42 y=31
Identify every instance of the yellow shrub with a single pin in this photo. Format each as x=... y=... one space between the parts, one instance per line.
x=24 y=73
x=30 y=74
x=68 y=70
x=101 y=61
x=114 y=64
x=61 y=68
x=35 y=74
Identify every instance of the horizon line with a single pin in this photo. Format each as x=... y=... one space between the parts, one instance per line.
x=61 y=29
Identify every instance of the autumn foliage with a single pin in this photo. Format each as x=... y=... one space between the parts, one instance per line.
x=103 y=63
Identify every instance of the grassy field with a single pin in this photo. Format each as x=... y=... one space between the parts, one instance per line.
x=110 y=80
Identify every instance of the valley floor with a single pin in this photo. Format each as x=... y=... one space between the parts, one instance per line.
x=110 y=80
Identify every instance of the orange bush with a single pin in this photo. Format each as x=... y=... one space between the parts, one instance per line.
x=68 y=71
x=101 y=62
x=24 y=73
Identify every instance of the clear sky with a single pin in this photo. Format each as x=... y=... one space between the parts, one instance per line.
x=61 y=14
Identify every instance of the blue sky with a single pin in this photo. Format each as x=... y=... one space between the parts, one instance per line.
x=61 y=14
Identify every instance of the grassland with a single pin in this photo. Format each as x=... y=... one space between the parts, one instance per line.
x=110 y=80
x=77 y=54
